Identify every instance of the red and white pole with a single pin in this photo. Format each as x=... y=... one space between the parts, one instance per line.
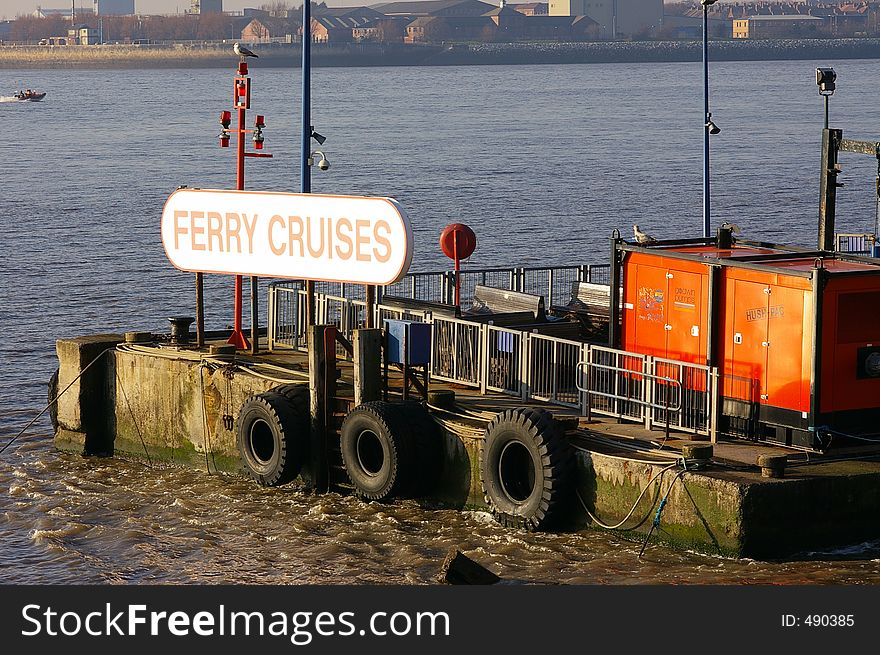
x=242 y=99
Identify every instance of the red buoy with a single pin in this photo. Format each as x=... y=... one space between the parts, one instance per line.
x=458 y=242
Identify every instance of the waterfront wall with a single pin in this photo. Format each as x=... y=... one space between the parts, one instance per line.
x=282 y=55
x=163 y=408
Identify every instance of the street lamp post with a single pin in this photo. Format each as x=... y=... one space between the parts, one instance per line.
x=708 y=126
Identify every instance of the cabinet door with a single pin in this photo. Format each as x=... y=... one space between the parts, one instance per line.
x=651 y=308
x=748 y=345
x=685 y=339
x=784 y=377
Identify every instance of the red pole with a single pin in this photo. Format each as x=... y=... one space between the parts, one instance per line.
x=457 y=267
x=238 y=339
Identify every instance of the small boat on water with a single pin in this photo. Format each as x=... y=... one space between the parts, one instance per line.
x=30 y=96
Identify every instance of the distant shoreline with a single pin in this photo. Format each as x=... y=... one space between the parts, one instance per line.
x=353 y=55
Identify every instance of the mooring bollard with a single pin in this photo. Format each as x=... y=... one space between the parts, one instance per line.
x=180 y=329
x=772 y=466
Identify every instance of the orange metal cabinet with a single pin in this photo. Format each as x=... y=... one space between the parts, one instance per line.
x=664 y=305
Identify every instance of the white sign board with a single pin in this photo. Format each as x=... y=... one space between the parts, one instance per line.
x=290 y=235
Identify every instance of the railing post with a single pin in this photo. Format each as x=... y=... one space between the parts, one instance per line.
x=525 y=360
x=648 y=390
x=482 y=355
x=587 y=401
x=549 y=288
x=271 y=299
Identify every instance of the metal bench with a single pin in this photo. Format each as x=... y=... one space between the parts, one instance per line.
x=489 y=300
x=436 y=308
x=590 y=305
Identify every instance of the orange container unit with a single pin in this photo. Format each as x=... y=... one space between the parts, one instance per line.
x=795 y=335
x=665 y=307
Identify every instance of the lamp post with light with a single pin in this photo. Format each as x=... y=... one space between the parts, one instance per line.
x=708 y=126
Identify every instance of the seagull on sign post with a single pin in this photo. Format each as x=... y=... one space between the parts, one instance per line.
x=243 y=52
x=733 y=227
x=642 y=237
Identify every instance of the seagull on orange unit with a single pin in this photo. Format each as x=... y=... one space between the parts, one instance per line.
x=243 y=52
x=642 y=237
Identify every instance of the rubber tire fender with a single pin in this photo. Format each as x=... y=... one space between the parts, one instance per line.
x=526 y=468
x=426 y=437
x=271 y=434
x=377 y=452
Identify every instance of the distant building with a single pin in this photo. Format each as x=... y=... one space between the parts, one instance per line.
x=113 y=7
x=5 y=30
x=442 y=8
x=42 y=12
x=349 y=12
x=773 y=27
x=616 y=18
x=532 y=8
x=83 y=35
x=329 y=29
x=268 y=30
x=206 y=7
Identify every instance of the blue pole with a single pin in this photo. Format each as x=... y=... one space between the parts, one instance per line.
x=305 y=169
x=706 y=224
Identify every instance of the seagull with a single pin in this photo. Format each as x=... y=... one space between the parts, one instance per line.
x=733 y=227
x=243 y=52
x=641 y=237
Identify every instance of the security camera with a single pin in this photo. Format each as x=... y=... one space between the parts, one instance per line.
x=323 y=164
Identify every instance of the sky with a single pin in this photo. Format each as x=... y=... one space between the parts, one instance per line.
x=12 y=8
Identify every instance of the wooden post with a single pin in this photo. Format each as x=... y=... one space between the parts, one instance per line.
x=828 y=187
x=367 y=365
x=311 y=319
x=322 y=391
x=370 y=302
x=255 y=316
x=200 y=310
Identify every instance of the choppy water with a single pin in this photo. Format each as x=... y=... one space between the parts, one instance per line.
x=543 y=162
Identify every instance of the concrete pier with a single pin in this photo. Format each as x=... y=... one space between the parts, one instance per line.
x=178 y=405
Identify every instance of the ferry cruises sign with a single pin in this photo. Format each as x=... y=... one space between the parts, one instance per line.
x=365 y=240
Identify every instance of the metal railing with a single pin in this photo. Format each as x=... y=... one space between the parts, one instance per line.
x=856 y=244
x=456 y=353
x=676 y=395
x=590 y=378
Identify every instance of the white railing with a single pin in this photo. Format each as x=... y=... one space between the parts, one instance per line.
x=587 y=377
x=857 y=244
x=659 y=392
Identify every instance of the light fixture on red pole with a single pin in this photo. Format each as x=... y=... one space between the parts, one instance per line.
x=241 y=100
x=458 y=242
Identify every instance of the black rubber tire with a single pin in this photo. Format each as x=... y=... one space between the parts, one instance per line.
x=427 y=438
x=377 y=450
x=526 y=468
x=51 y=399
x=297 y=394
x=271 y=434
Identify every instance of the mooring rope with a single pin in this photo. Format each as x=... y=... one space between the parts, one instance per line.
x=55 y=399
x=134 y=420
x=619 y=525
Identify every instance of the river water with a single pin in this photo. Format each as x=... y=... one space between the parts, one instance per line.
x=542 y=161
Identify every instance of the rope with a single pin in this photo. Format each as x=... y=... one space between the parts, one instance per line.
x=632 y=509
x=54 y=400
x=205 y=422
x=134 y=419
x=656 y=522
